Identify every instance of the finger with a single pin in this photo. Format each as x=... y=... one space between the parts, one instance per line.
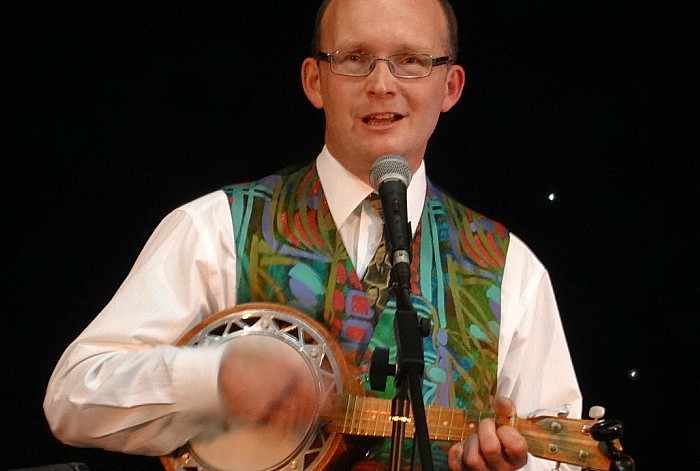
x=504 y=409
x=489 y=444
x=514 y=446
x=473 y=458
x=454 y=456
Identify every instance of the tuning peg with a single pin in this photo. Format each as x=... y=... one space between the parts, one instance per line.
x=619 y=461
x=606 y=430
x=596 y=412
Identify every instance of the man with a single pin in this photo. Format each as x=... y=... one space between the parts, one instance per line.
x=124 y=386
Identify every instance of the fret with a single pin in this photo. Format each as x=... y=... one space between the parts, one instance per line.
x=349 y=415
x=377 y=415
x=439 y=424
x=456 y=427
x=367 y=416
x=362 y=415
x=381 y=417
x=357 y=414
x=386 y=423
x=365 y=413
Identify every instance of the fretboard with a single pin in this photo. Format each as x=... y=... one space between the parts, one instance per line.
x=555 y=438
x=371 y=416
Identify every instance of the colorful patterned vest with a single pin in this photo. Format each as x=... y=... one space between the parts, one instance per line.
x=290 y=252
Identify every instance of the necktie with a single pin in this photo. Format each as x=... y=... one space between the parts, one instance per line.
x=378 y=274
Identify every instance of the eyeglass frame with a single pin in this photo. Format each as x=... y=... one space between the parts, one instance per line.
x=434 y=62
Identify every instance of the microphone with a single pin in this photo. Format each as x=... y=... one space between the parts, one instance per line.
x=390 y=176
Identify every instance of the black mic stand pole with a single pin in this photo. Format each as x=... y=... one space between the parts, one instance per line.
x=409 y=373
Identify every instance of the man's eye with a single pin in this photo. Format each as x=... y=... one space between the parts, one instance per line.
x=409 y=59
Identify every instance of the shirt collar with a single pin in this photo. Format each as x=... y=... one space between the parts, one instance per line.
x=344 y=191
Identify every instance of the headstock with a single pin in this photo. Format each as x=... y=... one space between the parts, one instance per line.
x=590 y=443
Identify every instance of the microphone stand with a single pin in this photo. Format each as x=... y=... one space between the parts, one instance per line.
x=390 y=176
x=409 y=373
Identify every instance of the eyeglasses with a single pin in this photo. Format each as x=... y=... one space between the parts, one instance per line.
x=360 y=64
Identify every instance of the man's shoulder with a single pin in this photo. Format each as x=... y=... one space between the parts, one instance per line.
x=456 y=208
x=204 y=202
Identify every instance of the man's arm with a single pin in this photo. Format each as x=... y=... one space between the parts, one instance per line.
x=122 y=384
x=535 y=370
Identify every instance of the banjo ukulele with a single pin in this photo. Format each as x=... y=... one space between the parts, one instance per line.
x=316 y=444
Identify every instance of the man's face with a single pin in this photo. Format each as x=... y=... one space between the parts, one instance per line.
x=367 y=117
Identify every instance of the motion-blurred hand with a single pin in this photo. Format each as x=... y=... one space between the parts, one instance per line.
x=266 y=384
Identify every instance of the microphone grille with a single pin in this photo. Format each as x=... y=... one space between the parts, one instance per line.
x=389 y=166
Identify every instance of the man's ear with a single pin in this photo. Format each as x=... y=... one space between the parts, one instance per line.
x=311 y=81
x=454 y=84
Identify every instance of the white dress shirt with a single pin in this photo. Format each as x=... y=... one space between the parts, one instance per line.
x=122 y=384
x=359 y=224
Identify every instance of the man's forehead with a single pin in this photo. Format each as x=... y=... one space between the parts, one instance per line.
x=404 y=24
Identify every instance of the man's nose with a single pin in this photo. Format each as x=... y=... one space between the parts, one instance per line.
x=380 y=79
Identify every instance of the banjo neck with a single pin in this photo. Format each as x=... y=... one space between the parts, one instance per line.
x=372 y=416
x=549 y=437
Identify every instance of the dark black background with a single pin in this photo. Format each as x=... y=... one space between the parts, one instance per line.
x=115 y=113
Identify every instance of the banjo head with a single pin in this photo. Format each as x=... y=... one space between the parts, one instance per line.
x=244 y=447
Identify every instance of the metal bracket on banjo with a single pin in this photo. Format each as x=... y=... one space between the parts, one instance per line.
x=246 y=448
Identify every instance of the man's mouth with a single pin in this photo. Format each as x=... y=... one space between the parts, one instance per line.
x=382 y=118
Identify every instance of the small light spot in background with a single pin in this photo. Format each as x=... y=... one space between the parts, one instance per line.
x=551 y=197
x=633 y=374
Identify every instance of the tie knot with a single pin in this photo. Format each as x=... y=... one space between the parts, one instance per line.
x=376 y=202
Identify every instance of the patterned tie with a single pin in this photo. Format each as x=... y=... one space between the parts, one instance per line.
x=378 y=274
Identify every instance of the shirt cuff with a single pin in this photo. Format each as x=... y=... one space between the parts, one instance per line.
x=196 y=381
